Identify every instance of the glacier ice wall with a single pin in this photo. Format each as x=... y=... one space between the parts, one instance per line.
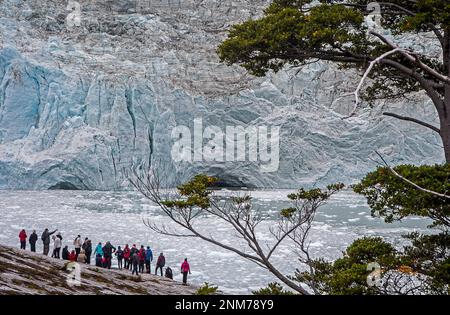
x=80 y=105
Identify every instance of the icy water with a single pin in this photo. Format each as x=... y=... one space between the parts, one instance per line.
x=117 y=217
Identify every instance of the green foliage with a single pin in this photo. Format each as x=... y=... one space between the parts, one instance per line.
x=273 y=288
x=270 y=42
x=393 y=199
x=348 y=274
x=206 y=289
x=430 y=255
x=196 y=191
x=294 y=32
x=316 y=194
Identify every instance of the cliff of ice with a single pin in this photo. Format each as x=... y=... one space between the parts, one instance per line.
x=80 y=105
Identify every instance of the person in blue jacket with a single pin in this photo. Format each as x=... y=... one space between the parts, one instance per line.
x=148 y=259
x=98 y=255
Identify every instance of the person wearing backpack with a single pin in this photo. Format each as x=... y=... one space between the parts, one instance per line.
x=148 y=259
x=135 y=262
x=23 y=239
x=169 y=273
x=119 y=254
x=160 y=263
x=132 y=251
x=185 y=269
x=33 y=239
x=45 y=237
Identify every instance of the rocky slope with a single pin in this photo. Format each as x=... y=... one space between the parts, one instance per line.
x=24 y=272
x=81 y=104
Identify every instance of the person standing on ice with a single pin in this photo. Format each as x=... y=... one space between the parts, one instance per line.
x=77 y=244
x=148 y=259
x=135 y=262
x=33 y=239
x=127 y=256
x=45 y=237
x=160 y=263
x=185 y=269
x=23 y=239
x=119 y=254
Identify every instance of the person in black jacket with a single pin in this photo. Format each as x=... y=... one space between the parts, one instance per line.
x=135 y=262
x=87 y=247
x=33 y=239
x=65 y=253
x=119 y=254
x=108 y=250
x=46 y=240
x=169 y=273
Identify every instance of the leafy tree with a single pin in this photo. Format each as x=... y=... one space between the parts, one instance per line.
x=296 y=32
x=196 y=198
x=272 y=288
x=348 y=274
x=392 y=199
x=421 y=267
x=206 y=289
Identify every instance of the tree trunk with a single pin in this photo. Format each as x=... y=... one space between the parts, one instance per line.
x=444 y=114
x=445 y=136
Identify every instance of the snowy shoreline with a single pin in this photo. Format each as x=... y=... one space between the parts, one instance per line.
x=117 y=217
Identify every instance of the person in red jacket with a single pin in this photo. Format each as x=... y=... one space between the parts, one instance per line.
x=185 y=268
x=141 y=254
x=73 y=256
x=126 y=256
x=23 y=239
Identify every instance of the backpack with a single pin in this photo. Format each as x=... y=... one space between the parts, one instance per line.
x=169 y=273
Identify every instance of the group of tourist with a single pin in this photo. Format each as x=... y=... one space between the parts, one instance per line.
x=138 y=260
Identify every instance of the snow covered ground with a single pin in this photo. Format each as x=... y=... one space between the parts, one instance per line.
x=117 y=217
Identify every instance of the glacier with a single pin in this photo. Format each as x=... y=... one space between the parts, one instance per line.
x=80 y=105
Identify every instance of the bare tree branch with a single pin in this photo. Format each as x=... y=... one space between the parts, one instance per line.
x=240 y=215
x=410 y=182
x=417 y=121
